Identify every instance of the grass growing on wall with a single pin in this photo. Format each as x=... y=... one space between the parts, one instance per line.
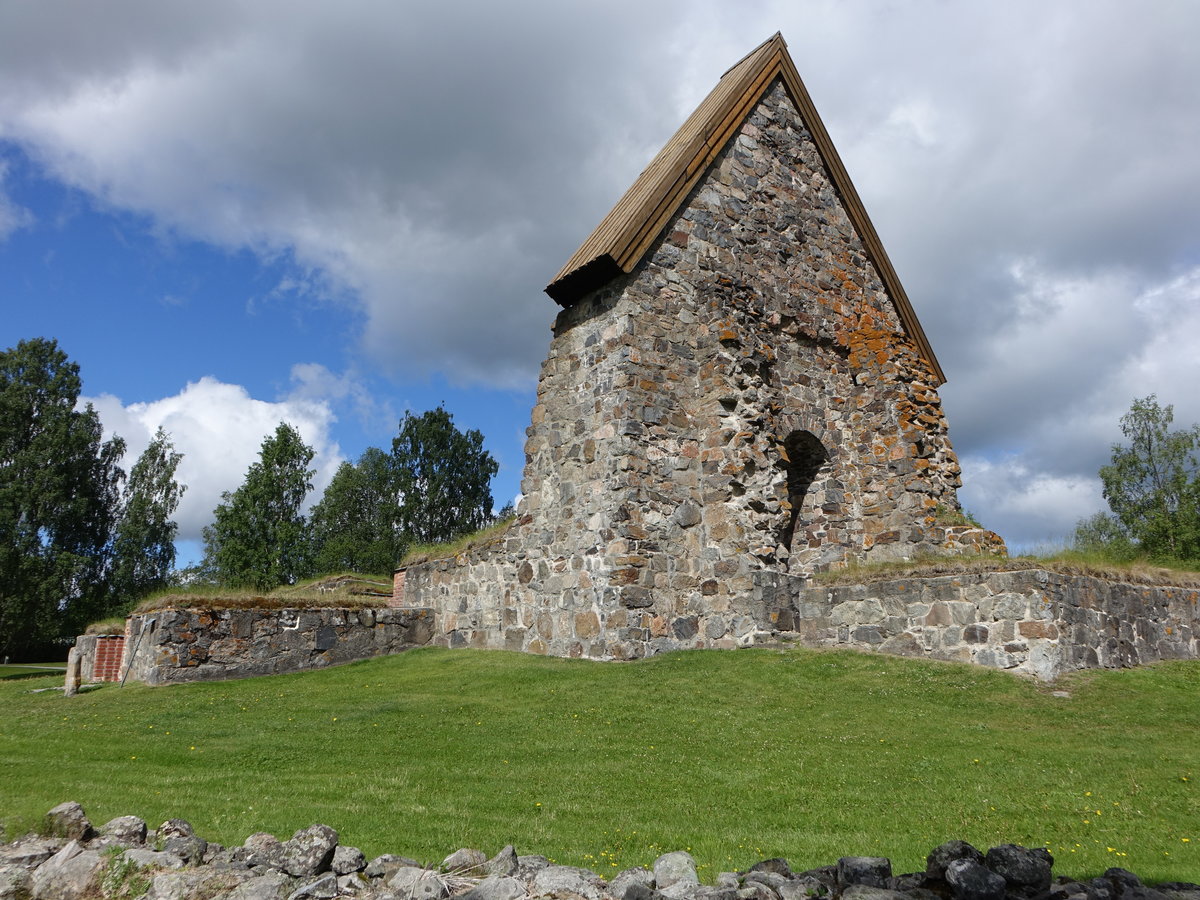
x=1064 y=562
x=736 y=756
x=349 y=590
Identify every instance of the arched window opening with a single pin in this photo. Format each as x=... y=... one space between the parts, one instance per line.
x=805 y=458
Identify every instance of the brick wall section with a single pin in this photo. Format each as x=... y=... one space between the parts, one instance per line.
x=110 y=648
x=100 y=657
x=743 y=408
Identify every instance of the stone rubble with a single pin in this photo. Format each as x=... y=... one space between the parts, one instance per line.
x=77 y=862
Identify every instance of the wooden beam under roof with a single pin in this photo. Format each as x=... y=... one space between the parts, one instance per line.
x=629 y=230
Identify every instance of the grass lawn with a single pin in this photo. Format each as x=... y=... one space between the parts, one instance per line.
x=736 y=756
x=25 y=670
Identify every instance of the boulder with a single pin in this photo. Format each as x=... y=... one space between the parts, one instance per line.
x=153 y=859
x=68 y=820
x=271 y=885
x=503 y=863
x=189 y=848
x=347 y=860
x=193 y=884
x=70 y=874
x=944 y=854
x=323 y=888
x=773 y=880
x=674 y=868
x=873 y=871
x=1180 y=890
x=174 y=828
x=129 y=831
x=528 y=866
x=639 y=891
x=264 y=851
x=496 y=887
x=753 y=890
x=310 y=851
x=970 y=880
x=912 y=881
x=565 y=880
x=776 y=864
x=804 y=887
x=414 y=883
x=1119 y=884
x=14 y=882
x=623 y=880
x=214 y=851
x=866 y=892
x=353 y=884
x=465 y=862
x=227 y=857
x=1026 y=871
x=385 y=866
x=30 y=851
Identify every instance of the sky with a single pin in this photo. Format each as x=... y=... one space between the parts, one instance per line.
x=240 y=212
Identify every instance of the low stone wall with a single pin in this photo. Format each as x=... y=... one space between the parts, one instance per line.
x=1033 y=621
x=173 y=862
x=178 y=645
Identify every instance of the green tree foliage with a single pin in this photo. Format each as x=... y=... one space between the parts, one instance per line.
x=1152 y=486
x=59 y=495
x=356 y=526
x=144 y=548
x=443 y=478
x=1103 y=536
x=258 y=537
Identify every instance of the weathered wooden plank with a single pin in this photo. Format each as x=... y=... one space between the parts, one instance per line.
x=633 y=225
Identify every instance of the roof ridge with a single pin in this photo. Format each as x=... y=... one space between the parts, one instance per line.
x=776 y=36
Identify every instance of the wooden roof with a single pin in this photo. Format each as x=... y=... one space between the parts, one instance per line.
x=631 y=227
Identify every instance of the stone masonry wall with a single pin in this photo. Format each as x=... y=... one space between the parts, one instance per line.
x=1032 y=622
x=172 y=645
x=744 y=407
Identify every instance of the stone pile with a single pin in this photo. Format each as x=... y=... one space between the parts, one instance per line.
x=123 y=860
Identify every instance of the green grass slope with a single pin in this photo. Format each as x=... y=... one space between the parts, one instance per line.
x=736 y=756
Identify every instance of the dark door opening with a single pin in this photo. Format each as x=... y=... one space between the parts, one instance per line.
x=805 y=457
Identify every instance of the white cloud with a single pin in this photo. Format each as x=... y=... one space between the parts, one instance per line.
x=1028 y=508
x=219 y=428
x=12 y=214
x=1169 y=363
x=1032 y=170
x=315 y=383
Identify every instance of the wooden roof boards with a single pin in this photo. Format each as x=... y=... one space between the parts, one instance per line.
x=631 y=227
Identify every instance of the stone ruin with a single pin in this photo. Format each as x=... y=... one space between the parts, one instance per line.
x=737 y=394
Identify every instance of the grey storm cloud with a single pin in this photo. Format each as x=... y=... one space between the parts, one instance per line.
x=1031 y=168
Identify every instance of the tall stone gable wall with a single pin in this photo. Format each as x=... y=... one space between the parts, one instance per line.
x=741 y=409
